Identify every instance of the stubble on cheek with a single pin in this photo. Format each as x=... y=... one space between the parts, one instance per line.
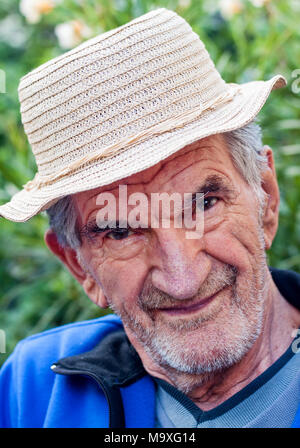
x=149 y=323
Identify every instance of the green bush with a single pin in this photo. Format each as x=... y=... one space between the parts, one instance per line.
x=247 y=43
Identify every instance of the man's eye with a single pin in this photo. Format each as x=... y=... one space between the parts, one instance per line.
x=119 y=234
x=209 y=202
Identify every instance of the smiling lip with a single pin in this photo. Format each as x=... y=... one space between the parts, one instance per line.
x=191 y=308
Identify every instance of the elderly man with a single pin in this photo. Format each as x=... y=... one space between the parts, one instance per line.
x=204 y=333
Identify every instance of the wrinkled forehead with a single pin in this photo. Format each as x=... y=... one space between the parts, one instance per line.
x=200 y=149
x=212 y=150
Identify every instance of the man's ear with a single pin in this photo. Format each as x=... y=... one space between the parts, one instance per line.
x=271 y=207
x=67 y=255
x=69 y=258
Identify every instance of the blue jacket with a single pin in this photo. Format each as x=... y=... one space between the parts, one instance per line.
x=99 y=380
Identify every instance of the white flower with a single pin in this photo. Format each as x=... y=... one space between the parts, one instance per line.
x=184 y=3
x=34 y=9
x=70 y=34
x=13 y=31
x=259 y=3
x=230 y=7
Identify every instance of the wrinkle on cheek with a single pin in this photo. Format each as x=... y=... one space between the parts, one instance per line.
x=94 y=259
x=238 y=211
x=249 y=239
x=243 y=225
x=236 y=243
x=226 y=215
x=122 y=282
x=246 y=236
x=222 y=247
x=212 y=224
x=91 y=252
x=241 y=215
x=104 y=274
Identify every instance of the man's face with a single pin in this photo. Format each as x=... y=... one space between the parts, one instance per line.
x=194 y=305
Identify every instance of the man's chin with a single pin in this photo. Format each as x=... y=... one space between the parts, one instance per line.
x=204 y=350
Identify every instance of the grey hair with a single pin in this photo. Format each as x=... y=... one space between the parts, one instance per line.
x=246 y=150
x=245 y=145
x=63 y=221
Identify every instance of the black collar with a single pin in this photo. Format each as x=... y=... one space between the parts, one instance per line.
x=113 y=363
x=288 y=283
x=114 y=360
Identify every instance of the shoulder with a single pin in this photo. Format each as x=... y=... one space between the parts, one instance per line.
x=26 y=380
x=36 y=353
x=67 y=340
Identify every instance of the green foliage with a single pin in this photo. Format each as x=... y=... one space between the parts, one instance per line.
x=36 y=292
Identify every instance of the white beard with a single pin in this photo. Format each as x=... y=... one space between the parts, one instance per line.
x=192 y=350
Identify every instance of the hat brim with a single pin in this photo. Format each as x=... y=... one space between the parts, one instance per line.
x=244 y=107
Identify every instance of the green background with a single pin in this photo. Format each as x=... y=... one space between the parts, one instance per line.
x=36 y=292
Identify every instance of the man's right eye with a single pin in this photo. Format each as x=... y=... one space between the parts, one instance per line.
x=209 y=202
x=119 y=234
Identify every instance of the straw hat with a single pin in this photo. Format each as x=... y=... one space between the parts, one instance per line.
x=120 y=103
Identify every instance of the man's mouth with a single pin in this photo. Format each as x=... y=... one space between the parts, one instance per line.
x=187 y=309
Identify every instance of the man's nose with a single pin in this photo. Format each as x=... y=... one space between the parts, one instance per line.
x=180 y=264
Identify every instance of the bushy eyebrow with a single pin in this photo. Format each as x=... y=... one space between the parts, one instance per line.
x=213 y=183
x=216 y=184
x=91 y=228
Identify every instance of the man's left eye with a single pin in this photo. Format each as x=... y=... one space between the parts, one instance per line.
x=209 y=202
x=119 y=234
